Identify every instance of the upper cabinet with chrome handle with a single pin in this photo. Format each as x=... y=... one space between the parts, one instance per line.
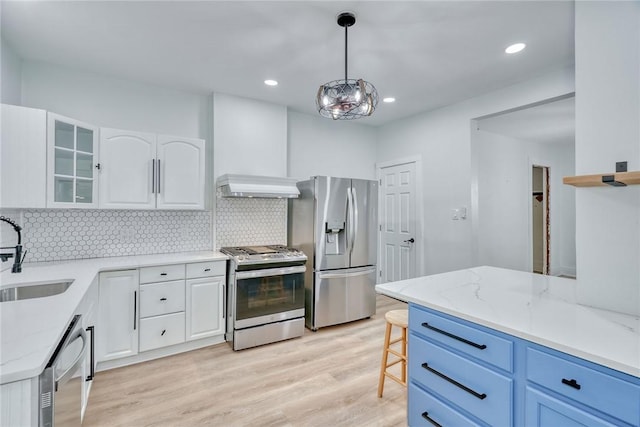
x=147 y=171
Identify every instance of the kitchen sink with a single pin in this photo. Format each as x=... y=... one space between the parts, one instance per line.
x=34 y=290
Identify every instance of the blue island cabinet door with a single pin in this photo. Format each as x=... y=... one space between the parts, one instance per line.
x=543 y=410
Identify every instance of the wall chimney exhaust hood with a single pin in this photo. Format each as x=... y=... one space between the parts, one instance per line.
x=270 y=187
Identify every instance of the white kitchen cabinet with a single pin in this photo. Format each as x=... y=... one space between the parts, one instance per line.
x=118 y=320
x=147 y=171
x=17 y=402
x=127 y=175
x=88 y=309
x=162 y=306
x=23 y=157
x=161 y=331
x=181 y=173
x=205 y=307
x=72 y=163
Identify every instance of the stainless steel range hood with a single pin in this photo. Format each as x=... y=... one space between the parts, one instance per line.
x=257 y=186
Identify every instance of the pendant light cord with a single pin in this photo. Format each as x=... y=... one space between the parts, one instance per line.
x=346 y=27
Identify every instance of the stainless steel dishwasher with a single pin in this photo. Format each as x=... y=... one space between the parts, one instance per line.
x=61 y=381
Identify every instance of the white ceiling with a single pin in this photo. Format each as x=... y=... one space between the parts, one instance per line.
x=426 y=54
x=548 y=123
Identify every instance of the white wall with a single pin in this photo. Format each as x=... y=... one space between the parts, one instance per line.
x=443 y=139
x=319 y=146
x=250 y=136
x=111 y=102
x=504 y=201
x=608 y=130
x=10 y=74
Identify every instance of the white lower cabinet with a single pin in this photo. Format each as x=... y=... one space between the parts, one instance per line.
x=205 y=307
x=157 y=307
x=161 y=331
x=118 y=320
x=89 y=311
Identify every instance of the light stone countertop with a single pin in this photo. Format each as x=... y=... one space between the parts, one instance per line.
x=31 y=328
x=537 y=308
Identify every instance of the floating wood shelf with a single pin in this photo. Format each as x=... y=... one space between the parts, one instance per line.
x=628 y=178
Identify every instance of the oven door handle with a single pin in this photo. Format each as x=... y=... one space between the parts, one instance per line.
x=270 y=272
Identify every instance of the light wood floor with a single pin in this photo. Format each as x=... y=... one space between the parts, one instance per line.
x=327 y=378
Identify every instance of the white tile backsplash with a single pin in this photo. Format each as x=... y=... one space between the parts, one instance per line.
x=52 y=235
x=250 y=221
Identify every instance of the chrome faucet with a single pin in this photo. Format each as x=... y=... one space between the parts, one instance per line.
x=18 y=257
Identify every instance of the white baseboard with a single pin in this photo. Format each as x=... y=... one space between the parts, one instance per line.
x=159 y=353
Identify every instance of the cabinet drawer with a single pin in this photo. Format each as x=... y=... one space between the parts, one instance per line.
x=161 y=273
x=481 y=391
x=482 y=345
x=423 y=406
x=161 y=331
x=206 y=269
x=598 y=390
x=161 y=298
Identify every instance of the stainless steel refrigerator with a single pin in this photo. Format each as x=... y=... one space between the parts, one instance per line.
x=335 y=222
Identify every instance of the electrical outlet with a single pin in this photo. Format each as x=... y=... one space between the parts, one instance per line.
x=459 y=213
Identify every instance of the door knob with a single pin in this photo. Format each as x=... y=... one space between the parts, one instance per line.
x=411 y=240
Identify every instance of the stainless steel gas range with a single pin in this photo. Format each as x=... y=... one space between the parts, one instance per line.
x=265 y=295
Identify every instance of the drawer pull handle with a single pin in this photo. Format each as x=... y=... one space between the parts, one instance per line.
x=207 y=269
x=426 y=416
x=163 y=274
x=163 y=299
x=163 y=332
x=455 y=337
x=454 y=382
x=571 y=383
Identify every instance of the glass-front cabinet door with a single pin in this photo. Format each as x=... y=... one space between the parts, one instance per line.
x=72 y=163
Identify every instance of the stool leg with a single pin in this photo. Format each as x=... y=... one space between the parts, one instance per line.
x=404 y=354
x=385 y=354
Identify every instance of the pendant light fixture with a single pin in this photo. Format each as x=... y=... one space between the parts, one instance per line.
x=346 y=99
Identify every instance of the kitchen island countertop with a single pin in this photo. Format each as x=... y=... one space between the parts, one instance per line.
x=31 y=328
x=537 y=308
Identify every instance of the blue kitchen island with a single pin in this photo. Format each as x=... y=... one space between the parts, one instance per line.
x=497 y=347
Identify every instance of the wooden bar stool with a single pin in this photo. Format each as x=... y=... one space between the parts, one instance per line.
x=397 y=318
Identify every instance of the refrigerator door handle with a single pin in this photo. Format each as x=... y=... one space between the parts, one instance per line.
x=350 y=220
x=346 y=273
x=354 y=210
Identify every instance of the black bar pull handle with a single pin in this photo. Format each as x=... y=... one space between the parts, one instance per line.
x=433 y=422
x=571 y=383
x=92 y=370
x=454 y=382
x=163 y=299
x=207 y=269
x=163 y=332
x=455 y=337
x=153 y=176
x=163 y=274
x=135 y=308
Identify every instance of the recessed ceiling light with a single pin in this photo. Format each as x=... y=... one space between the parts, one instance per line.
x=515 y=48
x=271 y=83
x=389 y=99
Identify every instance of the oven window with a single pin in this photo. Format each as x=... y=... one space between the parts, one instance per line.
x=261 y=296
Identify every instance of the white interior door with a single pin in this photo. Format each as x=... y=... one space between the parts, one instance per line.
x=398 y=226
